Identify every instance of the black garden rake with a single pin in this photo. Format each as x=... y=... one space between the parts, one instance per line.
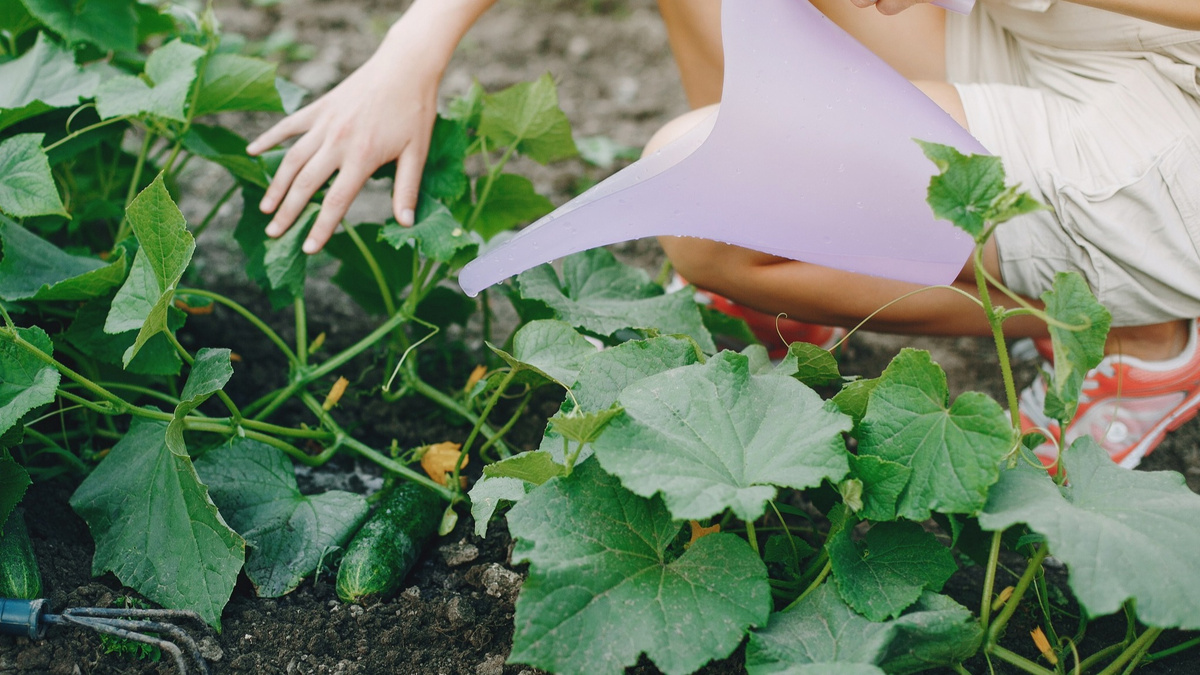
x=29 y=618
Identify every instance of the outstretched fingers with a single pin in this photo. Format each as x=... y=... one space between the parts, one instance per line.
x=408 y=183
x=346 y=186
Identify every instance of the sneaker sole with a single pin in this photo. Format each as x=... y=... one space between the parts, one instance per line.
x=1182 y=413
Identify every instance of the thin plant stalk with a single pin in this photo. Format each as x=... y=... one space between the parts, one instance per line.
x=1019 y=661
x=989 y=583
x=247 y=315
x=997 y=627
x=1133 y=651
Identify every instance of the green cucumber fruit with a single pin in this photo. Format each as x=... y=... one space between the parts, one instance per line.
x=19 y=576
x=387 y=546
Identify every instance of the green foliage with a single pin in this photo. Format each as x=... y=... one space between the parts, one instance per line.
x=26 y=380
x=108 y=24
x=546 y=352
x=526 y=116
x=34 y=269
x=1078 y=336
x=165 y=90
x=891 y=569
x=152 y=519
x=599 y=295
x=1110 y=526
x=26 y=186
x=14 y=480
x=713 y=437
x=970 y=191
x=953 y=450
x=287 y=533
x=823 y=630
x=41 y=79
x=680 y=610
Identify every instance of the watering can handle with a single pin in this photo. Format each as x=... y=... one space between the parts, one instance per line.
x=22 y=617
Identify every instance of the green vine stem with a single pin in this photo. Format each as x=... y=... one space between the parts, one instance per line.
x=301 y=313
x=396 y=467
x=183 y=353
x=816 y=583
x=502 y=431
x=989 y=582
x=995 y=320
x=1133 y=652
x=247 y=315
x=125 y=228
x=372 y=264
x=92 y=127
x=752 y=537
x=1018 y=661
x=58 y=450
x=1171 y=651
x=437 y=396
x=212 y=212
x=475 y=430
x=1031 y=571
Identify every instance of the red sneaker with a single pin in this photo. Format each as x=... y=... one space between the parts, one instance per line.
x=775 y=333
x=1127 y=405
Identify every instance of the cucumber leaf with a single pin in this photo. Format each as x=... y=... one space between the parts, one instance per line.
x=235 y=82
x=602 y=296
x=224 y=147
x=603 y=590
x=164 y=252
x=1110 y=525
x=445 y=178
x=26 y=382
x=823 y=629
x=1076 y=352
x=284 y=280
x=886 y=575
x=157 y=357
x=14 y=480
x=210 y=373
x=111 y=25
x=169 y=75
x=489 y=494
x=810 y=364
x=954 y=451
x=546 y=352
x=526 y=115
x=26 y=186
x=288 y=533
x=713 y=437
x=41 y=79
x=607 y=373
x=512 y=201
x=155 y=526
x=354 y=274
x=436 y=234
x=34 y=269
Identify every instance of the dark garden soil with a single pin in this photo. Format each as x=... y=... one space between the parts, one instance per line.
x=455 y=614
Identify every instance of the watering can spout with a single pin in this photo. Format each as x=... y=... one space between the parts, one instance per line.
x=810 y=157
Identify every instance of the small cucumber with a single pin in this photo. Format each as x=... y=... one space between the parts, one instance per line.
x=387 y=546
x=19 y=576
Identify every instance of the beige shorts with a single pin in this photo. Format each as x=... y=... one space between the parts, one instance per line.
x=1097 y=115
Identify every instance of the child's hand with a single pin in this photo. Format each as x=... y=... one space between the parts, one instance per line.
x=384 y=111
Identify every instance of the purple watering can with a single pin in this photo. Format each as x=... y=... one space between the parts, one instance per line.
x=810 y=157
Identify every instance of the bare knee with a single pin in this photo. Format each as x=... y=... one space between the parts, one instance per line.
x=678 y=127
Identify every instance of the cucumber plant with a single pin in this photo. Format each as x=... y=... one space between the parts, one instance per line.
x=657 y=432
x=182 y=486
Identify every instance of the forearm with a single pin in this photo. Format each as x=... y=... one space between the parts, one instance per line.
x=1176 y=13
x=436 y=26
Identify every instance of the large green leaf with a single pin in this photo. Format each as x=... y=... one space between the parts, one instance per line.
x=34 y=269
x=210 y=373
x=26 y=382
x=1111 y=526
x=164 y=252
x=888 y=573
x=970 y=191
x=546 y=351
x=711 y=437
x=511 y=202
x=526 y=115
x=15 y=19
x=155 y=526
x=170 y=71
x=288 y=533
x=436 y=234
x=822 y=629
x=157 y=357
x=600 y=295
x=111 y=25
x=810 y=364
x=226 y=148
x=41 y=79
x=954 y=451
x=607 y=373
x=14 y=480
x=235 y=82
x=26 y=186
x=605 y=586
x=444 y=177
x=489 y=494
x=1076 y=352
x=285 y=280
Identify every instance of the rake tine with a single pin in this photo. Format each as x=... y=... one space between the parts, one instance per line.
x=135 y=613
x=130 y=630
